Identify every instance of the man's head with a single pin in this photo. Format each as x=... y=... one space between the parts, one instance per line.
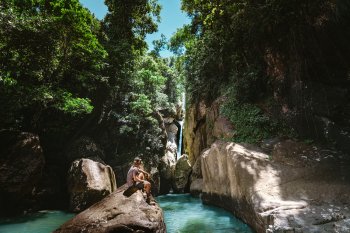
x=137 y=161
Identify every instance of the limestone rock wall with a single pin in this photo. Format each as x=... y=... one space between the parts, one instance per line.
x=204 y=125
x=277 y=197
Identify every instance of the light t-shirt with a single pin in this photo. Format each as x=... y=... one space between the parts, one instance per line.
x=129 y=178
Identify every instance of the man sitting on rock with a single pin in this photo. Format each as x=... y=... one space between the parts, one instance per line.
x=136 y=178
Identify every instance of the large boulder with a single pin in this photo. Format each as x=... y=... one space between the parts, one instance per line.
x=21 y=165
x=166 y=172
x=182 y=173
x=155 y=181
x=88 y=183
x=171 y=130
x=117 y=213
x=278 y=196
x=196 y=178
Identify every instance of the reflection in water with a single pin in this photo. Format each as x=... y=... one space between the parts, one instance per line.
x=41 y=222
x=186 y=214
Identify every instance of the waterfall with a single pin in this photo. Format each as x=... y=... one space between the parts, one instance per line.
x=181 y=127
x=180 y=140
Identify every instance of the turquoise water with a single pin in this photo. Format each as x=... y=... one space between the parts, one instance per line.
x=41 y=222
x=182 y=213
x=186 y=214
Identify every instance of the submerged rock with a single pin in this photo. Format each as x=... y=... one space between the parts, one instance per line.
x=88 y=183
x=277 y=196
x=117 y=213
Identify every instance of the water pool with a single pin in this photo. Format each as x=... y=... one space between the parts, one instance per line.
x=182 y=213
x=186 y=214
x=40 y=222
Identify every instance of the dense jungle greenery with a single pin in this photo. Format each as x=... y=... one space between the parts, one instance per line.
x=64 y=74
x=259 y=49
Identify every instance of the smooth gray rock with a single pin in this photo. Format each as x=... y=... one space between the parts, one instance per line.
x=166 y=172
x=182 y=174
x=281 y=195
x=88 y=183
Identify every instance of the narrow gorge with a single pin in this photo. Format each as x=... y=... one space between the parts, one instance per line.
x=240 y=115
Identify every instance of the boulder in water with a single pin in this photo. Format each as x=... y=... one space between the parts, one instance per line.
x=182 y=174
x=166 y=172
x=117 y=213
x=88 y=183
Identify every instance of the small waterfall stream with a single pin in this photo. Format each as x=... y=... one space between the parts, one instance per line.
x=179 y=147
x=180 y=140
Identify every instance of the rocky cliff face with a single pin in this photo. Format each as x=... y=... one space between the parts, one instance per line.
x=310 y=89
x=203 y=125
x=278 y=195
x=21 y=169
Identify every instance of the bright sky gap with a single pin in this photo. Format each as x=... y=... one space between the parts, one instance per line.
x=171 y=18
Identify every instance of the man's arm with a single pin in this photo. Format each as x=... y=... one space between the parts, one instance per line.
x=144 y=172
x=135 y=177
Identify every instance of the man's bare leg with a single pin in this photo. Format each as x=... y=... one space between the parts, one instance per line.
x=147 y=185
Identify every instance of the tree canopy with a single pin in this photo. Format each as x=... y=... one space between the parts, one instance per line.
x=64 y=73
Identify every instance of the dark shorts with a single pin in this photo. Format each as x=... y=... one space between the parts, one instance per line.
x=141 y=185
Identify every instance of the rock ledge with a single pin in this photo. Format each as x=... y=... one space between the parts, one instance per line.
x=276 y=197
x=117 y=213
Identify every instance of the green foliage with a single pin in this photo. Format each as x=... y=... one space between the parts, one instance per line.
x=252 y=125
x=229 y=40
x=75 y=106
x=234 y=45
x=159 y=45
x=47 y=49
x=142 y=105
x=157 y=80
x=63 y=73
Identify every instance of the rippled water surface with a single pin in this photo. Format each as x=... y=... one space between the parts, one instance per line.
x=186 y=214
x=41 y=222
